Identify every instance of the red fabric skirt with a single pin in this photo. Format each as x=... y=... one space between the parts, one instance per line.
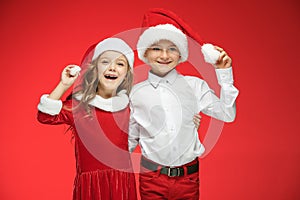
x=108 y=184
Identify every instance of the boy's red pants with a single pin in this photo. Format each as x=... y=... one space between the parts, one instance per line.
x=157 y=186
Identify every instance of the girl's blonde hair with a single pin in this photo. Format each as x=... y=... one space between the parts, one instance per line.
x=90 y=81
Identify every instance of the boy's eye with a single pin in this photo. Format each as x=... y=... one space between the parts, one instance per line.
x=155 y=48
x=173 y=49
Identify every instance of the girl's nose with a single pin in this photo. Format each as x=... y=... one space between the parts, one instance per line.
x=112 y=67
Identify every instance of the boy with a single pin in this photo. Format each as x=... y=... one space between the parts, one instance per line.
x=162 y=108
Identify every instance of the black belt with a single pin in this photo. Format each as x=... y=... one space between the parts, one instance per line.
x=169 y=171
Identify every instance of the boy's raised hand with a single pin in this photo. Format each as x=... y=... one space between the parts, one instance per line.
x=224 y=60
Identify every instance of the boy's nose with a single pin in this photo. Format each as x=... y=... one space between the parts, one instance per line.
x=164 y=53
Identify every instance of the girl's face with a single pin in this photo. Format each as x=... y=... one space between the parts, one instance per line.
x=163 y=56
x=112 y=69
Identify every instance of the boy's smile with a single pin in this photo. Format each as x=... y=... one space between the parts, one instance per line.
x=162 y=56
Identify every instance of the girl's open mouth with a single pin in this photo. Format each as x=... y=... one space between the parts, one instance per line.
x=110 y=76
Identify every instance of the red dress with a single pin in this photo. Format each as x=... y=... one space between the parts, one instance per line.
x=104 y=170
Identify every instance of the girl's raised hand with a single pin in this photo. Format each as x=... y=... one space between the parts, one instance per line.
x=67 y=78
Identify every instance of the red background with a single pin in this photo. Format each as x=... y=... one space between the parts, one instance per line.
x=257 y=156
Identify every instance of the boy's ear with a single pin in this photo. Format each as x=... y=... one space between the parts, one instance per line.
x=145 y=54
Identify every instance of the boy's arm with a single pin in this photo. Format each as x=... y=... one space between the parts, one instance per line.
x=222 y=108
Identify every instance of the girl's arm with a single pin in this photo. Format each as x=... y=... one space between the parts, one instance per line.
x=50 y=106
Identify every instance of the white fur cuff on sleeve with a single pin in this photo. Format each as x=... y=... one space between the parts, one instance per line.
x=49 y=106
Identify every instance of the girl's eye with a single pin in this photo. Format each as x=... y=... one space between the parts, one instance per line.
x=104 y=62
x=121 y=64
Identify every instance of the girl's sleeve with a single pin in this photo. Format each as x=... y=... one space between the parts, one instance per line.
x=52 y=112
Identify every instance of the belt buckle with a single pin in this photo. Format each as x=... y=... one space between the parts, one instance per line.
x=170 y=174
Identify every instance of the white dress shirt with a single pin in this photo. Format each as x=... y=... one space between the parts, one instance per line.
x=162 y=111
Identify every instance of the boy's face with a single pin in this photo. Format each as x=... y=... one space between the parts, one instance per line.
x=162 y=56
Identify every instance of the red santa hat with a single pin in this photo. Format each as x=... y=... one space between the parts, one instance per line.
x=114 y=44
x=163 y=24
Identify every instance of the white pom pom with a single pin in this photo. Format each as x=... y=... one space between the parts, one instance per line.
x=74 y=70
x=211 y=55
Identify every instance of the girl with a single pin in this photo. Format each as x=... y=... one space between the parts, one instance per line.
x=97 y=114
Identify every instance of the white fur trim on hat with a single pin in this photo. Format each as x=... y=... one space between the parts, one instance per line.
x=210 y=54
x=163 y=32
x=114 y=44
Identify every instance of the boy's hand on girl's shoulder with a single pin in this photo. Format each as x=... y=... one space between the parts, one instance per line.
x=197 y=120
x=224 y=60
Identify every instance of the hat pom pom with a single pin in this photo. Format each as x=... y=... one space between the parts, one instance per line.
x=211 y=55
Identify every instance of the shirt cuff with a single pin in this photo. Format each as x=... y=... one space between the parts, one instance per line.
x=224 y=75
x=49 y=106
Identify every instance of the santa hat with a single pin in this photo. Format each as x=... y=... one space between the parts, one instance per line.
x=114 y=44
x=163 y=24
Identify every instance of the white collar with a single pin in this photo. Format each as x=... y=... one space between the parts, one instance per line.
x=113 y=104
x=155 y=80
